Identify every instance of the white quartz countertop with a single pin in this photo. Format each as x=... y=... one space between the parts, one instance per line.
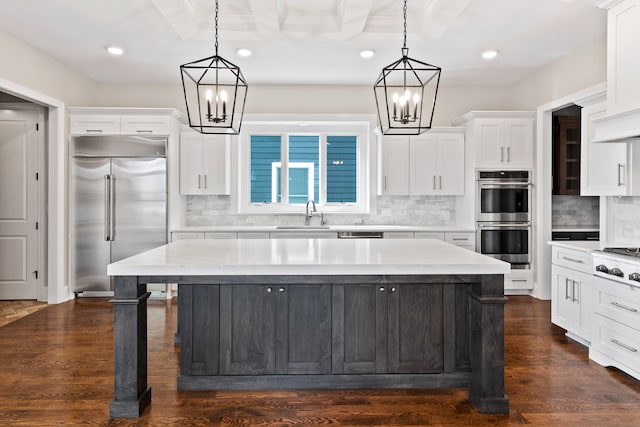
x=307 y=256
x=364 y=227
x=588 y=245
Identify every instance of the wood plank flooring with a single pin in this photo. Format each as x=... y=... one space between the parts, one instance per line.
x=57 y=369
x=14 y=310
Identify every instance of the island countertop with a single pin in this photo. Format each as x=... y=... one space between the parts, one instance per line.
x=307 y=256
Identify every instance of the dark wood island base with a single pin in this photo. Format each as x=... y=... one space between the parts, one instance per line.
x=320 y=331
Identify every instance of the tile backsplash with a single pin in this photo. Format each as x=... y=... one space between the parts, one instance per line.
x=571 y=211
x=626 y=220
x=391 y=210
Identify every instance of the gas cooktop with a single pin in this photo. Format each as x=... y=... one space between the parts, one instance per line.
x=635 y=252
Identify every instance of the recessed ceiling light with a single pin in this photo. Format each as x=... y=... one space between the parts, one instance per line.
x=243 y=52
x=489 y=54
x=115 y=50
x=368 y=53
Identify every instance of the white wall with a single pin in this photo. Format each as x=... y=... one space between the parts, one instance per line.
x=29 y=67
x=584 y=68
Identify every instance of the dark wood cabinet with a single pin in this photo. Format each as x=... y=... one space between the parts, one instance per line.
x=198 y=313
x=566 y=155
x=275 y=329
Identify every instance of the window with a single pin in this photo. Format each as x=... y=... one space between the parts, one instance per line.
x=286 y=168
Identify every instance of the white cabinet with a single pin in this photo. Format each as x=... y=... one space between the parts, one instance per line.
x=180 y=235
x=89 y=124
x=120 y=124
x=395 y=165
x=437 y=164
x=204 y=164
x=623 y=61
x=464 y=239
x=572 y=295
x=428 y=164
x=399 y=234
x=616 y=337
x=500 y=139
x=606 y=169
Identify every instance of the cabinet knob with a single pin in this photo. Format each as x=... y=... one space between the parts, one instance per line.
x=269 y=290
x=281 y=290
x=393 y=290
x=381 y=289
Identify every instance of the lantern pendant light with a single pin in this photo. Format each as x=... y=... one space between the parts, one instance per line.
x=215 y=92
x=406 y=92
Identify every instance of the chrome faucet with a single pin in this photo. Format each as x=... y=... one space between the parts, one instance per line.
x=307 y=216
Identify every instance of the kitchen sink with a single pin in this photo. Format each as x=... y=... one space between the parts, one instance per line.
x=302 y=227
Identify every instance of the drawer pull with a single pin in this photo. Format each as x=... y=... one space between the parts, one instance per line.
x=624 y=307
x=94 y=130
x=626 y=347
x=579 y=261
x=460 y=238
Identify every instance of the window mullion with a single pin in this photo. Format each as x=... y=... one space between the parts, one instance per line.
x=323 y=169
x=284 y=170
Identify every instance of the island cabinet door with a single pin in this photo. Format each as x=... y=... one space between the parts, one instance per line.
x=303 y=329
x=359 y=329
x=199 y=319
x=415 y=331
x=248 y=329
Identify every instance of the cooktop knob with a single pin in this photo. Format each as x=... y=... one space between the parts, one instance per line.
x=616 y=272
x=635 y=277
x=603 y=268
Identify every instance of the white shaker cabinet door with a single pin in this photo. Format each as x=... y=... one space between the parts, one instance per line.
x=451 y=161
x=395 y=165
x=191 y=180
x=215 y=162
x=518 y=143
x=423 y=169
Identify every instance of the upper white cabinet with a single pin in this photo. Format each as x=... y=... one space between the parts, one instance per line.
x=623 y=61
x=204 y=163
x=121 y=121
x=427 y=164
x=500 y=139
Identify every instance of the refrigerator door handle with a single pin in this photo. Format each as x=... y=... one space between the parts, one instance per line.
x=107 y=207
x=112 y=206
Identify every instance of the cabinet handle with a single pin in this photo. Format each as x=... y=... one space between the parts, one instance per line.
x=93 y=130
x=574 y=287
x=434 y=182
x=508 y=154
x=269 y=290
x=385 y=182
x=624 y=307
x=566 y=288
x=198 y=181
x=440 y=182
x=620 y=174
x=205 y=181
x=280 y=289
x=381 y=289
x=461 y=238
x=626 y=347
x=579 y=261
x=144 y=131
x=502 y=154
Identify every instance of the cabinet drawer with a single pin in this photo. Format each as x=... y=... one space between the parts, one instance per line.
x=146 y=125
x=461 y=239
x=179 y=235
x=302 y=235
x=429 y=235
x=618 y=302
x=618 y=342
x=94 y=125
x=221 y=235
x=253 y=235
x=574 y=259
x=398 y=235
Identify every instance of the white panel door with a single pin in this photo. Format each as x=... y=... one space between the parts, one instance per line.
x=489 y=145
x=424 y=165
x=451 y=165
x=191 y=180
x=518 y=145
x=395 y=165
x=18 y=204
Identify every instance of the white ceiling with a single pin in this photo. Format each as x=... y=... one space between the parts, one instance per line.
x=305 y=41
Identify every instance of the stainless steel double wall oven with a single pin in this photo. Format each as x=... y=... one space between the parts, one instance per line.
x=504 y=216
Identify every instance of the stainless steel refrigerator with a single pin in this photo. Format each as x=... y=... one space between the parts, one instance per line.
x=118 y=204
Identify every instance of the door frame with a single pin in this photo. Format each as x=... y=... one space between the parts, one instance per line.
x=41 y=212
x=54 y=288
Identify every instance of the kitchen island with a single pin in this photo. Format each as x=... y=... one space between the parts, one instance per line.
x=317 y=313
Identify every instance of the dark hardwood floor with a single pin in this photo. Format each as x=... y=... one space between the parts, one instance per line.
x=57 y=369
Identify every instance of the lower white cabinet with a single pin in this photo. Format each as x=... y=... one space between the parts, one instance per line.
x=572 y=294
x=616 y=335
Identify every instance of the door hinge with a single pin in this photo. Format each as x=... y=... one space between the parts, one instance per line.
x=36 y=225
x=36 y=274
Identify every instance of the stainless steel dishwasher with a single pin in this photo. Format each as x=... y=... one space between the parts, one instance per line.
x=360 y=234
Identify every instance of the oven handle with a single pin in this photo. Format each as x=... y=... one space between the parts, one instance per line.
x=504 y=224
x=498 y=184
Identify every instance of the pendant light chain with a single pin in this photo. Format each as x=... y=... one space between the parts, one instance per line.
x=216 y=23
x=404 y=10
